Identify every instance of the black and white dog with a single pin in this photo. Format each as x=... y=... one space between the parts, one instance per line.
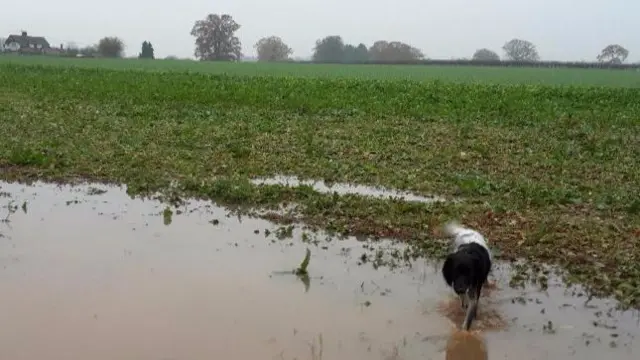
x=466 y=269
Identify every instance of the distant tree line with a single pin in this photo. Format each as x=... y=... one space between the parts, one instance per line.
x=107 y=47
x=216 y=40
x=501 y=63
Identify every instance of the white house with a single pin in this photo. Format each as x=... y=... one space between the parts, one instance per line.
x=26 y=43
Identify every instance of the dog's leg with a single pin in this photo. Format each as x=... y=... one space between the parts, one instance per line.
x=479 y=290
x=474 y=299
x=471 y=314
x=463 y=300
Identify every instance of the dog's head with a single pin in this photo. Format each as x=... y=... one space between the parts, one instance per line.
x=458 y=273
x=462 y=279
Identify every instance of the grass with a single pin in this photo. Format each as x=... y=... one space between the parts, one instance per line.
x=550 y=174
x=465 y=74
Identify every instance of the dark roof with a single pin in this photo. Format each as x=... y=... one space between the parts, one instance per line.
x=25 y=40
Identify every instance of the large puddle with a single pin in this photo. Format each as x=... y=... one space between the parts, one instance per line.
x=92 y=275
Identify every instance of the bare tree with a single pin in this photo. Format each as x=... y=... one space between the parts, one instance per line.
x=520 y=50
x=215 y=38
x=111 y=47
x=485 y=55
x=272 y=48
x=71 y=49
x=614 y=53
x=394 y=51
x=90 y=51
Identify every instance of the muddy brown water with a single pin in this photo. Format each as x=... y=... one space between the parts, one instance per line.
x=85 y=275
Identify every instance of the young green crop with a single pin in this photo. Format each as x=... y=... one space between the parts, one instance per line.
x=521 y=104
x=545 y=172
x=464 y=74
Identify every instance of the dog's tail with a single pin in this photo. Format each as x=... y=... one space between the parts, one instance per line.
x=472 y=310
x=453 y=228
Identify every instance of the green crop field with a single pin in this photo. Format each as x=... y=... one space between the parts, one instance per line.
x=549 y=173
x=498 y=75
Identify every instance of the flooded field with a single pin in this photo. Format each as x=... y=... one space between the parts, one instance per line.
x=89 y=273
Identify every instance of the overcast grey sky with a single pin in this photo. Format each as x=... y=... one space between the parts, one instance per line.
x=561 y=29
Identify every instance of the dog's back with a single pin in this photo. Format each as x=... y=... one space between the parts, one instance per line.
x=463 y=235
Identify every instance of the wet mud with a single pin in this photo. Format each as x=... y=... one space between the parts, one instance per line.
x=89 y=273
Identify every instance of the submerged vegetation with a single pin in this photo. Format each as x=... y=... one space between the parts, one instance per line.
x=549 y=174
x=302 y=269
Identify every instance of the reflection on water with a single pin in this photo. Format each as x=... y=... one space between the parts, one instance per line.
x=93 y=275
x=343 y=189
